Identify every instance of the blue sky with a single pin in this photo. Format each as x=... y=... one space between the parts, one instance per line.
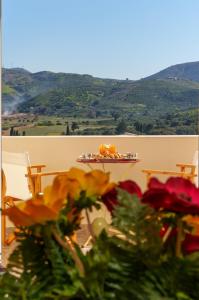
x=104 y=38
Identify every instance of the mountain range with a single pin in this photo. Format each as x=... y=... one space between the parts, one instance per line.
x=186 y=71
x=66 y=94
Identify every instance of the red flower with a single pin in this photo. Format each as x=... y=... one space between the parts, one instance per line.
x=164 y=230
x=190 y=244
x=176 y=195
x=131 y=187
x=110 y=198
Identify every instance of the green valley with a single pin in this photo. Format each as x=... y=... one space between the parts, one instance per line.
x=48 y=103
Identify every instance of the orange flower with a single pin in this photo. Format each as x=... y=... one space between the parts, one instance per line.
x=65 y=187
x=31 y=212
x=40 y=209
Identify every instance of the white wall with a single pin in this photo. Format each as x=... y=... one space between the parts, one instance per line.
x=158 y=152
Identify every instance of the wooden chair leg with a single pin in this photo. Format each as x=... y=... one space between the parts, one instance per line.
x=37 y=185
x=89 y=239
x=6 y=241
x=3 y=225
x=191 y=178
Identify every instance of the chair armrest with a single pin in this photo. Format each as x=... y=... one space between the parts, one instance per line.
x=148 y=171
x=185 y=165
x=187 y=175
x=47 y=174
x=37 y=166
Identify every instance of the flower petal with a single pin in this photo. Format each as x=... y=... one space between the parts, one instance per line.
x=182 y=186
x=39 y=212
x=18 y=216
x=190 y=244
x=177 y=195
x=96 y=182
x=131 y=187
x=77 y=174
x=154 y=183
x=110 y=199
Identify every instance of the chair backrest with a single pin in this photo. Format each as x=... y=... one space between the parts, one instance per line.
x=15 y=167
x=195 y=162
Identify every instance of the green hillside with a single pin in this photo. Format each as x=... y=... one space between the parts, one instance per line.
x=7 y=90
x=154 y=105
x=142 y=96
x=186 y=71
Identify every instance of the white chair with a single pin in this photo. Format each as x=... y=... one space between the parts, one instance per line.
x=15 y=166
x=19 y=183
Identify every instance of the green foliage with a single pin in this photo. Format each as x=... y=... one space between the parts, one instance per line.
x=7 y=90
x=67 y=130
x=131 y=264
x=121 y=127
x=139 y=223
x=38 y=269
x=74 y=126
x=134 y=267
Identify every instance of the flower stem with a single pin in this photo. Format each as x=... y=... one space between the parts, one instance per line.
x=68 y=245
x=167 y=233
x=179 y=237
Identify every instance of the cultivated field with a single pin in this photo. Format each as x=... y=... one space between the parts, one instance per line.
x=27 y=124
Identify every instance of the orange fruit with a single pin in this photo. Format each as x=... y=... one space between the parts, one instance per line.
x=105 y=149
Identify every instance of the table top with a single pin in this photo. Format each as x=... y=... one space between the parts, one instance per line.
x=108 y=160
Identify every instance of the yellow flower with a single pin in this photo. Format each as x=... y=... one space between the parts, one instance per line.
x=94 y=183
x=63 y=187
x=76 y=173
